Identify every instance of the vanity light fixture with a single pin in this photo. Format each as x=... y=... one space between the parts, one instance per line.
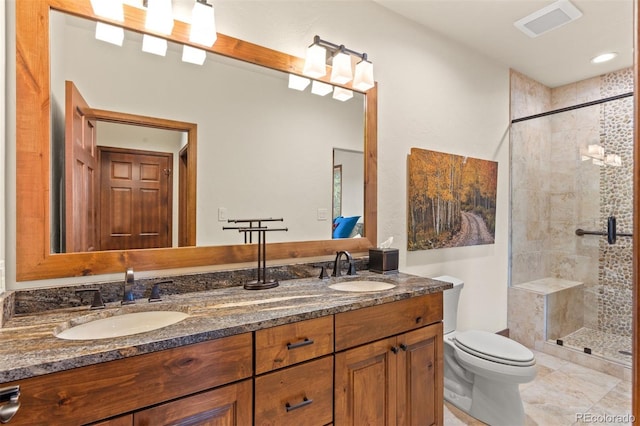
x=110 y=9
x=341 y=67
x=315 y=62
x=363 y=79
x=159 y=16
x=342 y=94
x=298 y=83
x=321 y=89
x=193 y=55
x=203 y=24
x=155 y=45
x=340 y=57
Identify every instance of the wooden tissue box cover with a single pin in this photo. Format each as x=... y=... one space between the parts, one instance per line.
x=383 y=260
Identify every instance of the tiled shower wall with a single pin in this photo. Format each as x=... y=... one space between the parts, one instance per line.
x=554 y=192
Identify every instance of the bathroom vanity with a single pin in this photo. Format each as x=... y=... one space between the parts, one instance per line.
x=302 y=353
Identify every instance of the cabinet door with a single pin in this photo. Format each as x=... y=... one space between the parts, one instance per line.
x=365 y=385
x=226 y=406
x=420 y=381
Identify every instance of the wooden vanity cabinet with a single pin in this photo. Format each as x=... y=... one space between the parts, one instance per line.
x=228 y=405
x=97 y=392
x=379 y=365
x=297 y=385
x=394 y=380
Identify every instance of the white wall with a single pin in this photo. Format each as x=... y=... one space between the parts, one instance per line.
x=433 y=94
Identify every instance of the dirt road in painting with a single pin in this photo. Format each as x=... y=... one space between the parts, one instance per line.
x=473 y=231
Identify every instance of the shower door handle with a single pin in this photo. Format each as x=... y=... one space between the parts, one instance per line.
x=611 y=230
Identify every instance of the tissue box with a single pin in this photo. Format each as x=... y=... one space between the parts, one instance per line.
x=383 y=260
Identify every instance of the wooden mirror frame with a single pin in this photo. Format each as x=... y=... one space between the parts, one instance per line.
x=34 y=259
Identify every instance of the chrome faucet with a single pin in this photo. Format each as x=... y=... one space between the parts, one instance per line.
x=337 y=264
x=128 y=297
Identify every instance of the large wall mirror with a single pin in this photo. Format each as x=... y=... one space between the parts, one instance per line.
x=262 y=150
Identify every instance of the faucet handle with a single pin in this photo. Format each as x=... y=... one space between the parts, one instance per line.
x=352 y=268
x=155 y=291
x=97 y=302
x=323 y=273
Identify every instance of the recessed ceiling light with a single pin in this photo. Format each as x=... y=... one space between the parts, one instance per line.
x=604 y=57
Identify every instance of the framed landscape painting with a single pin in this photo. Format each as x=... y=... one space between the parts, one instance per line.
x=451 y=200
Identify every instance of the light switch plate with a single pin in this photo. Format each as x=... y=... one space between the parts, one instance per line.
x=222 y=214
x=322 y=214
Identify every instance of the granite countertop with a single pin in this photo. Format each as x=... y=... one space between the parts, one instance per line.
x=29 y=347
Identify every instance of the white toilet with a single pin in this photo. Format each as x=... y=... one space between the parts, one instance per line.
x=482 y=370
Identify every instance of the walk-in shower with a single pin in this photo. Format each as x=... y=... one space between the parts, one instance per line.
x=571 y=215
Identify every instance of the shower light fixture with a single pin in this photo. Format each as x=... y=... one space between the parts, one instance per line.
x=605 y=57
x=340 y=56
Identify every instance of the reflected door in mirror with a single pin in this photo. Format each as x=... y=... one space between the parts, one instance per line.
x=135 y=196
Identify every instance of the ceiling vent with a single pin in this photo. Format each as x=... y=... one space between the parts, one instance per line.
x=548 y=18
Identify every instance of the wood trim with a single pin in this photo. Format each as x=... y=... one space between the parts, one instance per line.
x=191 y=129
x=34 y=260
x=635 y=367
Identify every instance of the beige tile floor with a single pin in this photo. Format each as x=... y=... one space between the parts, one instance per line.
x=564 y=394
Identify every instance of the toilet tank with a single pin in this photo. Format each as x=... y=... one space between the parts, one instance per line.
x=450 y=302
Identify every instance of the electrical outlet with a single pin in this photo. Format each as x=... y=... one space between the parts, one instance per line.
x=322 y=214
x=222 y=214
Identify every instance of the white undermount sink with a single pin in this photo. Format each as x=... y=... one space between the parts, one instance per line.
x=122 y=325
x=362 y=286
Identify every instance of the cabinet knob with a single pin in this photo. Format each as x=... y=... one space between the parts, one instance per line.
x=394 y=349
x=403 y=347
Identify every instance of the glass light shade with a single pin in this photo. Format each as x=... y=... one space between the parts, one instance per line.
x=341 y=69
x=363 y=79
x=315 y=65
x=155 y=45
x=203 y=25
x=320 y=88
x=159 y=16
x=193 y=55
x=342 y=94
x=111 y=9
x=298 y=83
x=109 y=33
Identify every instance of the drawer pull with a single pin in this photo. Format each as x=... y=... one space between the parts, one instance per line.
x=304 y=403
x=10 y=397
x=299 y=344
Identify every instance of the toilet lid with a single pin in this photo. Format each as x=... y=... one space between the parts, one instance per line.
x=494 y=347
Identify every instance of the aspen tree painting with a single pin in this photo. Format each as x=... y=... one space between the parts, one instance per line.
x=452 y=200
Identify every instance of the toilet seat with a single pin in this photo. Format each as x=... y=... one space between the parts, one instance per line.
x=493 y=347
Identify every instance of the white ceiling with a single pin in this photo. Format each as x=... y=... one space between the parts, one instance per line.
x=555 y=58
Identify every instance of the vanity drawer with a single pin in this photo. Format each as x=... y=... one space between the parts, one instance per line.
x=376 y=322
x=289 y=344
x=298 y=395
